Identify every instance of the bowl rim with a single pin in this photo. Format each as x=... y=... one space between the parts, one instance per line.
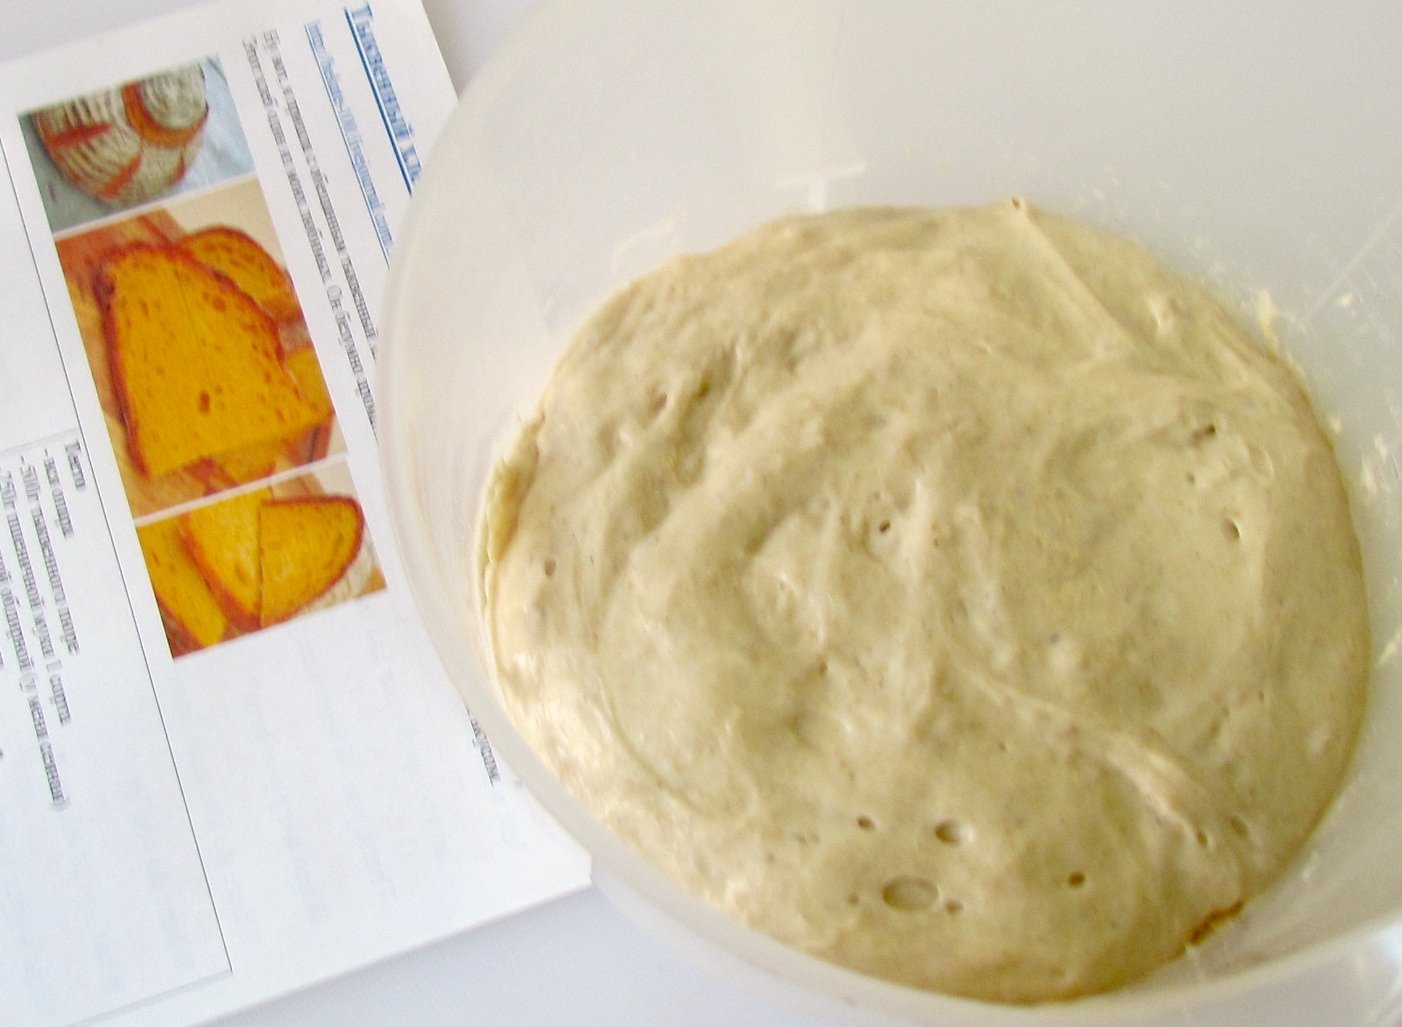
x=629 y=881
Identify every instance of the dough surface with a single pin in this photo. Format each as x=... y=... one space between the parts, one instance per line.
x=956 y=595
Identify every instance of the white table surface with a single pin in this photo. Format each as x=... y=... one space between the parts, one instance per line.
x=578 y=960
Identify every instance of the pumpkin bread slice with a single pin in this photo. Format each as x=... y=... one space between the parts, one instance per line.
x=185 y=599
x=196 y=363
x=223 y=542
x=309 y=549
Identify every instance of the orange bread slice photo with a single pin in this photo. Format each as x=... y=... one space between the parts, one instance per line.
x=304 y=367
x=237 y=466
x=241 y=258
x=194 y=619
x=223 y=540
x=240 y=466
x=196 y=363
x=312 y=553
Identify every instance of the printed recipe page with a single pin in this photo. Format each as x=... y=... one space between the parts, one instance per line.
x=230 y=765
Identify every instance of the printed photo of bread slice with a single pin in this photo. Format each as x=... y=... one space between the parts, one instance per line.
x=132 y=142
x=312 y=554
x=201 y=358
x=196 y=363
x=193 y=617
x=238 y=466
x=236 y=565
x=222 y=539
x=237 y=256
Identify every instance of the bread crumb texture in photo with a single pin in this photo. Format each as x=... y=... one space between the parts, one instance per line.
x=197 y=363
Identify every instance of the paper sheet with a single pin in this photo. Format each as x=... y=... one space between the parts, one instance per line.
x=230 y=765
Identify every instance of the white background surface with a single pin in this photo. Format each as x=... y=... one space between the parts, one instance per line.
x=578 y=960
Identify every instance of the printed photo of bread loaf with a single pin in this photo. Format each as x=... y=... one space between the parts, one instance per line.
x=258 y=558
x=202 y=359
x=135 y=142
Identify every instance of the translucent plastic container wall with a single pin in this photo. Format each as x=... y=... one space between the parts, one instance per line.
x=1256 y=148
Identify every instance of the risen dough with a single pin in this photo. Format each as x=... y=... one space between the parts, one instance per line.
x=956 y=595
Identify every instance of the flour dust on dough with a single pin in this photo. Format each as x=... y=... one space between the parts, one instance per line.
x=956 y=595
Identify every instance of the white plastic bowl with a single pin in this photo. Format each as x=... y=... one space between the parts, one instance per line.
x=1255 y=149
